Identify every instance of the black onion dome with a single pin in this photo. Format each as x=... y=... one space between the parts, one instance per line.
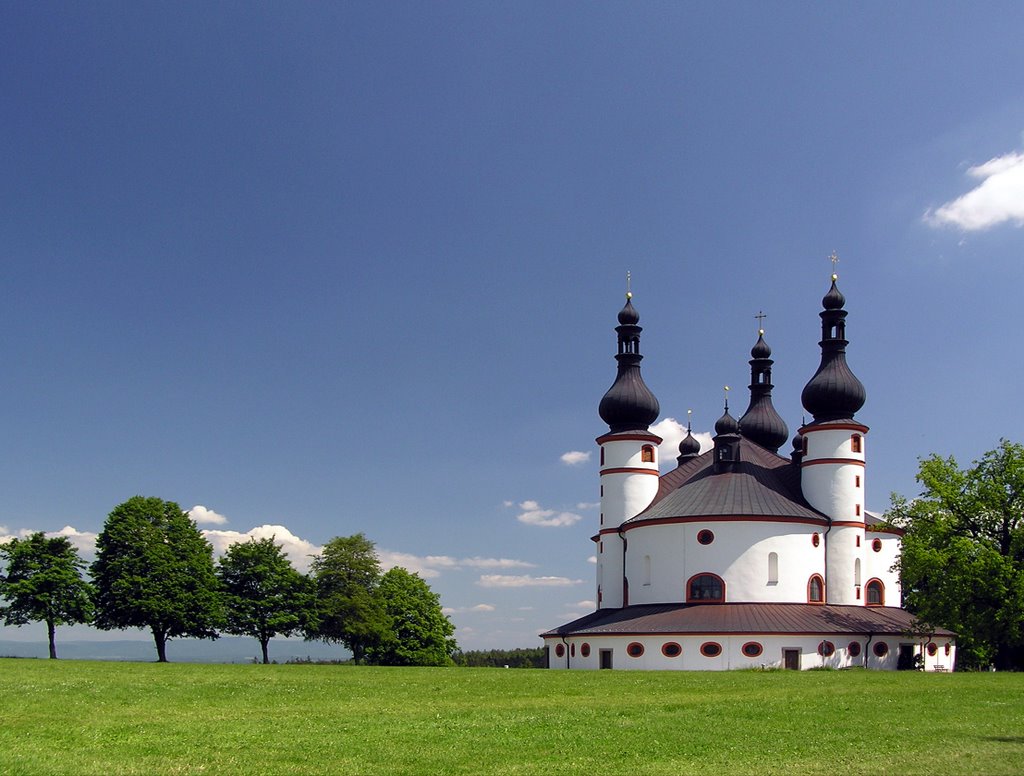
x=834 y=392
x=629 y=404
x=689 y=447
x=798 y=443
x=628 y=314
x=727 y=423
x=760 y=349
x=833 y=300
x=761 y=423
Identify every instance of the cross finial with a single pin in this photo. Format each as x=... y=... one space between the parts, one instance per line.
x=834 y=258
x=727 y=398
x=760 y=321
x=689 y=416
x=629 y=291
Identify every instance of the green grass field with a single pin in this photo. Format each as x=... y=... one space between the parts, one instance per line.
x=145 y=718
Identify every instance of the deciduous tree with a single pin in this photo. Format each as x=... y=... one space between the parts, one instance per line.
x=154 y=569
x=263 y=595
x=44 y=583
x=962 y=561
x=345 y=575
x=419 y=633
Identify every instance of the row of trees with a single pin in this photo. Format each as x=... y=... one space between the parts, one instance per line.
x=155 y=570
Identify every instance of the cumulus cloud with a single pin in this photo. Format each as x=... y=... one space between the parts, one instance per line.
x=999 y=198
x=83 y=541
x=203 y=516
x=575 y=457
x=464 y=609
x=672 y=432
x=501 y=580
x=588 y=505
x=298 y=550
x=533 y=514
x=592 y=559
x=430 y=566
x=585 y=605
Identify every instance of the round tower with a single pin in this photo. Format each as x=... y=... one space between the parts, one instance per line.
x=629 y=458
x=832 y=465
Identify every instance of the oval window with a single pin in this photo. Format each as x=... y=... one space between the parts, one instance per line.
x=854 y=649
x=815 y=539
x=705 y=537
x=881 y=649
x=711 y=649
x=572 y=650
x=947 y=649
x=671 y=649
x=559 y=650
x=826 y=649
x=752 y=649
x=876 y=545
x=585 y=649
x=933 y=648
x=636 y=649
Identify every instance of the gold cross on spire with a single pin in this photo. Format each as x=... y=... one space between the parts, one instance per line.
x=834 y=258
x=629 y=292
x=760 y=321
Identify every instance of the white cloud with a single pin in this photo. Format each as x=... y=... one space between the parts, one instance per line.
x=588 y=505
x=999 y=198
x=532 y=514
x=672 y=432
x=585 y=604
x=83 y=541
x=464 y=609
x=500 y=580
x=430 y=566
x=592 y=559
x=298 y=550
x=202 y=516
x=575 y=457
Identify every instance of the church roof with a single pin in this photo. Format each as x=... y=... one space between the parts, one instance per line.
x=749 y=618
x=760 y=484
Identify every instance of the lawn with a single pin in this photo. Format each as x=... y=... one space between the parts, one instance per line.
x=146 y=718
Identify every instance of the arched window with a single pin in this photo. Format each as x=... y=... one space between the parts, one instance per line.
x=773 y=568
x=602 y=456
x=856 y=571
x=875 y=593
x=855 y=443
x=647 y=569
x=647 y=454
x=815 y=589
x=705 y=587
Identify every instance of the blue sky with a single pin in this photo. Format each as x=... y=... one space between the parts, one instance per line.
x=355 y=267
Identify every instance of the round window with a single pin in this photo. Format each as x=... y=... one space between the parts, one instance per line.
x=854 y=649
x=876 y=545
x=933 y=648
x=711 y=649
x=585 y=649
x=671 y=649
x=705 y=537
x=636 y=649
x=826 y=649
x=752 y=649
x=881 y=649
x=559 y=650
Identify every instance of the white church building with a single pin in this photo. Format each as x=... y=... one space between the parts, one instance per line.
x=741 y=557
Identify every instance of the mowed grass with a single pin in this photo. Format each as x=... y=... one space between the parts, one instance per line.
x=140 y=718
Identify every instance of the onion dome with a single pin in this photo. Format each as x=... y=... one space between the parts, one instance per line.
x=798 y=448
x=727 y=423
x=761 y=423
x=689 y=447
x=629 y=404
x=834 y=392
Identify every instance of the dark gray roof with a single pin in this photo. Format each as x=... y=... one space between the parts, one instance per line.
x=762 y=484
x=742 y=619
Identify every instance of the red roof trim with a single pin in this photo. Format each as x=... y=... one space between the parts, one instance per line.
x=629 y=526
x=833 y=427
x=629 y=470
x=851 y=461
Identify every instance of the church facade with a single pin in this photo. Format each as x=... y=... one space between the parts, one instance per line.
x=740 y=557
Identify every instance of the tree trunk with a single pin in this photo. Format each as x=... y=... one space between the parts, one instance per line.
x=263 y=643
x=161 y=645
x=51 y=632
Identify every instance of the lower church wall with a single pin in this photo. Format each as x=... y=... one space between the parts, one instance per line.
x=732 y=652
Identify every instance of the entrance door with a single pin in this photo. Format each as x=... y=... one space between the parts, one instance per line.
x=606 y=658
x=791 y=659
x=905 y=661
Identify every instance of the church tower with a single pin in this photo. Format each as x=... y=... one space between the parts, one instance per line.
x=761 y=423
x=832 y=466
x=629 y=458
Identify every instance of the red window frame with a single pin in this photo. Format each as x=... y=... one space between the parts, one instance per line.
x=711 y=649
x=691 y=580
x=671 y=646
x=880 y=587
x=821 y=586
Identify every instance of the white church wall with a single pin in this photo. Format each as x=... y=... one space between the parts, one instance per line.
x=879 y=563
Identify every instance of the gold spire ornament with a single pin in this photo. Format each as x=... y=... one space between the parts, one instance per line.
x=629 y=292
x=761 y=315
x=834 y=258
